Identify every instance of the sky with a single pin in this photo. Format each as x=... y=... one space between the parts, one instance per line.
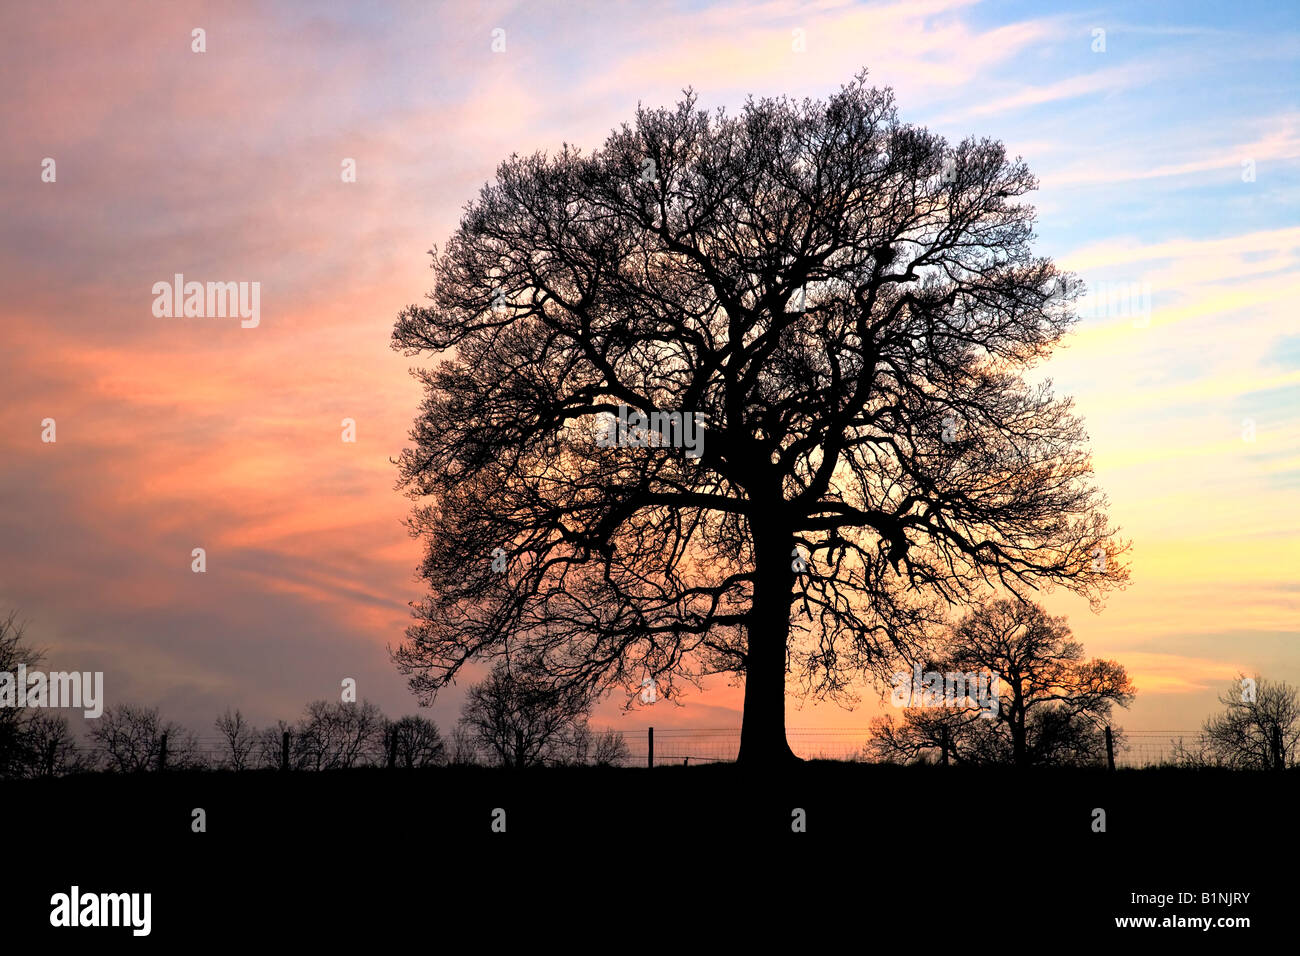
x=1165 y=136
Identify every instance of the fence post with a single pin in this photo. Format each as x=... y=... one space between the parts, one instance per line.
x=284 y=751
x=162 y=754
x=1110 y=750
x=650 y=759
x=392 y=749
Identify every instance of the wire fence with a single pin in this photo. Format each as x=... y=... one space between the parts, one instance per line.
x=694 y=746
x=1153 y=748
x=1133 y=749
x=669 y=746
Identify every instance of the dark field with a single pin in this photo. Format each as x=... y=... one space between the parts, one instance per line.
x=946 y=857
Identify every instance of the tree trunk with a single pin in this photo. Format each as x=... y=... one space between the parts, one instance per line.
x=762 y=734
x=1019 y=749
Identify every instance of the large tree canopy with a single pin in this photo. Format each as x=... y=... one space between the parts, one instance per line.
x=849 y=302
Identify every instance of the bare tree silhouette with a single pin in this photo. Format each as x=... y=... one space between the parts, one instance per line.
x=582 y=745
x=1259 y=728
x=131 y=740
x=269 y=744
x=521 y=720
x=417 y=742
x=239 y=738
x=338 y=735
x=847 y=301
x=50 y=749
x=15 y=722
x=1053 y=703
x=464 y=747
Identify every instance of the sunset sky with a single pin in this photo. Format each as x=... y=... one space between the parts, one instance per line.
x=1170 y=158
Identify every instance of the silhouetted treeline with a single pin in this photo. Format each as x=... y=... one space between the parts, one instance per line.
x=1050 y=712
x=328 y=736
x=507 y=720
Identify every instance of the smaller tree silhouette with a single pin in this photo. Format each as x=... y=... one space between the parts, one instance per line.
x=239 y=738
x=520 y=718
x=581 y=745
x=268 y=744
x=464 y=746
x=50 y=749
x=15 y=722
x=1256 y=731
x=1052 y=703
x=130 y=739
x=417 y=742
x=334 y=736
x=609 y=749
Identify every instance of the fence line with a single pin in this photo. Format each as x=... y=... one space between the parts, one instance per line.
x=672 y=745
